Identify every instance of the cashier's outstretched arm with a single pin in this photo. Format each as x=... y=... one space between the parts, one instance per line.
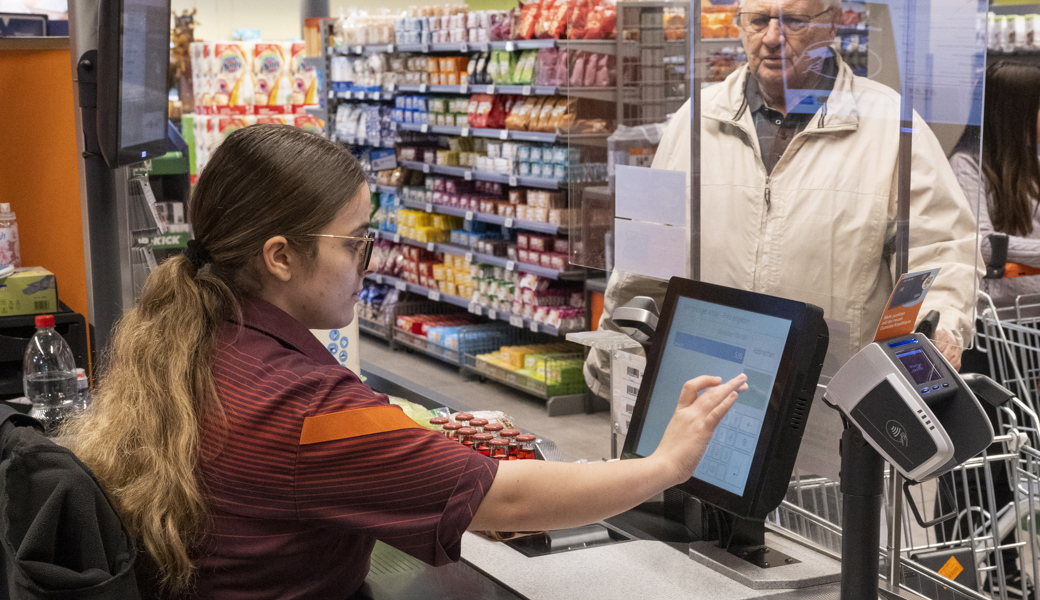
x=532 y=495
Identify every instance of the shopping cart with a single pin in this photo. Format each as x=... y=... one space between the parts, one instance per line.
x=990 y=548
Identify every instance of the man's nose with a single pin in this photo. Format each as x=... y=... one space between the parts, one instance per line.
x=773 y=35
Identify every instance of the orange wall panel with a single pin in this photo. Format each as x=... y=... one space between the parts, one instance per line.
x=39 y=166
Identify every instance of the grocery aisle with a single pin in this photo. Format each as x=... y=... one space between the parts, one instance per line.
x=577 y=436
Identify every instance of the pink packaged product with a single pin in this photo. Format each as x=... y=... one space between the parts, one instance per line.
x=529 y=281
x=438 y=197
x=559 y=261
x=562 y=68
x=577 y=300
x=408 y=153
x=591 y=64
x=533 y=258
x=429 y=155
x=577 y=78
x=545 y=67
x=606 y=70
x=560 y=246
x=523 y=255
x=517 y=307
x=522 y=241
x=545 y=259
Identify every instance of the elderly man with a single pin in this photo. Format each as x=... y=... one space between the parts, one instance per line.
x=799 y=164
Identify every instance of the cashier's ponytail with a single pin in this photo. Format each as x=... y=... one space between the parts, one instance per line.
x=141 y=436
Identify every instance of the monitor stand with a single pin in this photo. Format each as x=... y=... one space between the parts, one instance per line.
x=744 y=551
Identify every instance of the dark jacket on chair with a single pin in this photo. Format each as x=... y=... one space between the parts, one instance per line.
x=60 y=536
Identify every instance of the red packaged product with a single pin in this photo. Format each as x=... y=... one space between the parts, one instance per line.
x=577 y=22
x=558 y=18
x=602 y=23
x=529 y=16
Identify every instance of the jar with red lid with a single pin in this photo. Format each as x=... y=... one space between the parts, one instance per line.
x=525 y=447
x=481 y=443
x=478 y=424
x=465 y=435
x=438 y=423
x=499 y=449
x=451 y=431
x=463 y=418
x=493 y=428
x=510 y=435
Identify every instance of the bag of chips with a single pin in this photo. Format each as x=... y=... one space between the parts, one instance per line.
x=530 y=13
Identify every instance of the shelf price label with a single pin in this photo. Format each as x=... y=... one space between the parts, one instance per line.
x=426 y=167
x=429 y=207
x=474 y=308
x=526 y=90
x=510 y=265
x=534 y=326
x=490 y=89
x=401 y=286
x=492 y=314
x=359 y=49
x=464 y=132
x=469 y=215
x=393 y=125
x=516 y=321
x=503 y=135
x=425 y=49
x=375 y=95
x=397 y=238
x=464 y=47
x=434 y=295
x=469 y=257
x=467 y=175
x=332 y=94
x=464 y=88
x=390 y=48
x=430 y=246
x=422 y=88
x=397 y=200
x=425 y=128
x=510 y=46
x=512 y=180
x=509 y=222
x=379 y=279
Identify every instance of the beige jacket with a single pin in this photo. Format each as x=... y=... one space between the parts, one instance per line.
x=820 y=228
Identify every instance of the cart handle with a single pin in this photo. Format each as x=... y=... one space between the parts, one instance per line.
x=998 y=267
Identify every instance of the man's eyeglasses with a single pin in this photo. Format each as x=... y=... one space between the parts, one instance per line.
x=758 y=22
x=369 y=245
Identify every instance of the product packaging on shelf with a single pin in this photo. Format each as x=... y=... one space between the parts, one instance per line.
x=29 y=291
x=274 y=87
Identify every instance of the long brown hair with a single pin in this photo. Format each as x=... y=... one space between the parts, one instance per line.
x=1009 y=145
x=141 y=435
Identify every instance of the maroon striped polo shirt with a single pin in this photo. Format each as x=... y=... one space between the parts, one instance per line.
x=292 y=520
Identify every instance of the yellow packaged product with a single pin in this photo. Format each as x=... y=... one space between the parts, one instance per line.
x=28 y=291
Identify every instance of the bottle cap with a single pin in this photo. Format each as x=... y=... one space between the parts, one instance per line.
x=467 y=431
x=44 y=321
x=5 y=207
x=526 y=437
x=492 y=427
x=509 y=433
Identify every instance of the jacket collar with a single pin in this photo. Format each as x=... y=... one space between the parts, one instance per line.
x=839 y=112
x=270 y=320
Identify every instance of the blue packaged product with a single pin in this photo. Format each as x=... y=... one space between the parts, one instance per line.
x=523 y=153
x=525 y=168
x=536 y=169
x=536 y=154
x=560 y=172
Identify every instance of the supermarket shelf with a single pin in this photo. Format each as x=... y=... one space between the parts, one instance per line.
x=472 y=307
x=536 y=226
x=465 y=88
x=359 y=141
x=377 y=96
x=498 y=261
x=383 y=189
x=502 y=134
x=317 y=111
x=512 y=180
x=600 y=46
x=421 y=344
x=556 y=405
x=374 y=328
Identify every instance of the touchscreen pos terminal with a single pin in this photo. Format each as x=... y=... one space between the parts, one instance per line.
x=780 y=344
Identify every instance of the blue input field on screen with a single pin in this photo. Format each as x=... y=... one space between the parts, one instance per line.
x=712 y=348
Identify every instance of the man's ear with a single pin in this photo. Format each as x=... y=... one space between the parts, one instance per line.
x=279 y=259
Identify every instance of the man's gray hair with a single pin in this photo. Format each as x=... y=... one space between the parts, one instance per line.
x=831 y=4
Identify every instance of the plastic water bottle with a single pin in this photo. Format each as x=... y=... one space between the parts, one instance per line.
x=83 y=397
x=49 y=375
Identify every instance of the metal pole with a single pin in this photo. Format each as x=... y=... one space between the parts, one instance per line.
x=694 y=215
x=862 y=487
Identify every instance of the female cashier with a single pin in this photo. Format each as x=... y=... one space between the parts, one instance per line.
x=248 y=462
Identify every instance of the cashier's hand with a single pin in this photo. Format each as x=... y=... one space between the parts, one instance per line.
x=702 y=404
x=944 y=343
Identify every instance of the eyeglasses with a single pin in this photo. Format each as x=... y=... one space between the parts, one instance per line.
x=369 y=239
x=758 y=22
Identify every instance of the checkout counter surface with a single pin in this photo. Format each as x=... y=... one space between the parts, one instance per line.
x=653 y=563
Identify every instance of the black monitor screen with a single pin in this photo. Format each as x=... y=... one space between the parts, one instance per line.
x=919 y=367
x=779 y=344
x=708 y=339
x=145 y=57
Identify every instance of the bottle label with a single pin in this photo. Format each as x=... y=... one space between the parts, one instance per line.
x=9 y=252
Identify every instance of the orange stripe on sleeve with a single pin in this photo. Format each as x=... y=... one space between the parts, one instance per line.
x=354 y=423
